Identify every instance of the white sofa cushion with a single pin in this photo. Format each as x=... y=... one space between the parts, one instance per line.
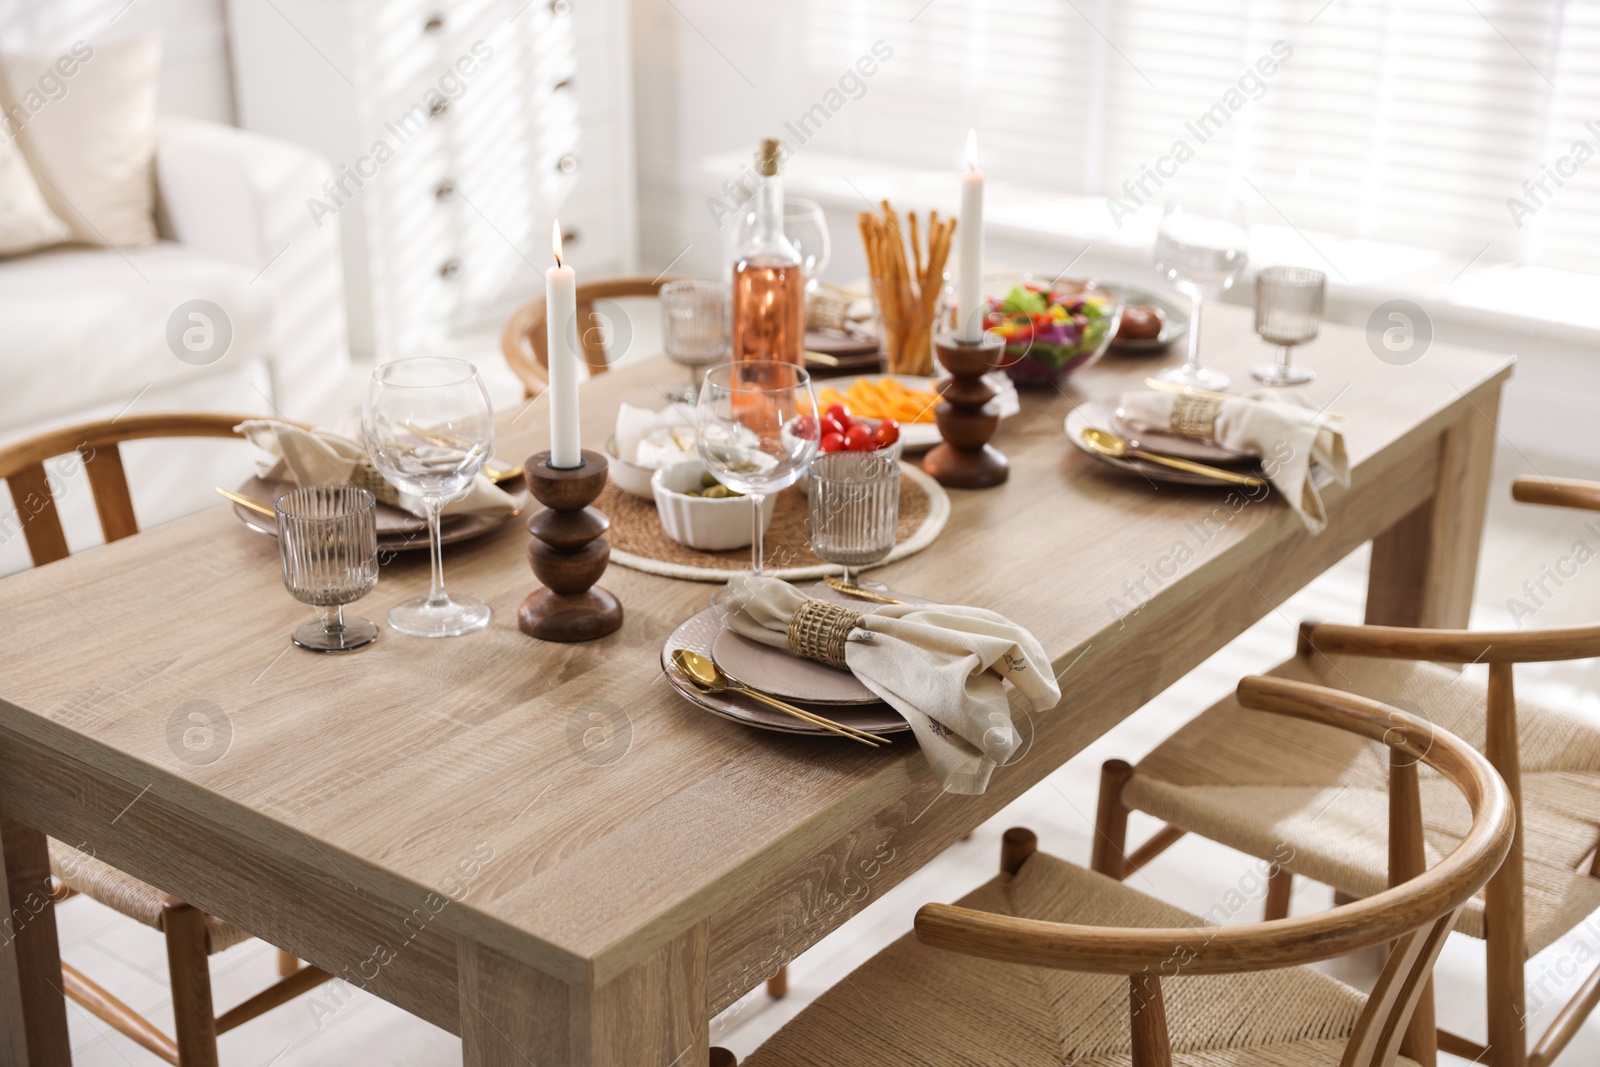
x=87 y=327
x=26 y=221
x=90 y=135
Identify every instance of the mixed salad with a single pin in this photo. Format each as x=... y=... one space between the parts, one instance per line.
x=1054 y=328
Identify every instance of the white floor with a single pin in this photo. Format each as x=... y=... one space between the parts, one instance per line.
x=1523 y=544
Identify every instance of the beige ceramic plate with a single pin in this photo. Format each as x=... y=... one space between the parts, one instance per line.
x=398 y=530
x=697 y=635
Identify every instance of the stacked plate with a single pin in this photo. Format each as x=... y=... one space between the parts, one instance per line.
x=812 y=686
x=1104 y=415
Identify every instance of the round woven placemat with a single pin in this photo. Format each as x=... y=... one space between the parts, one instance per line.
x=638 y=540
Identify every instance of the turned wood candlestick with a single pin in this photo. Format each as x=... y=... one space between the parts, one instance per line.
x=569 y=553
x=967 y=415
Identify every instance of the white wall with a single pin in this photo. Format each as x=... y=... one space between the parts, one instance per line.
x=195 y=78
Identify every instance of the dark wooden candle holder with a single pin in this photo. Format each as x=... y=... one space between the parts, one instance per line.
x=967 y=415
x=569 y=553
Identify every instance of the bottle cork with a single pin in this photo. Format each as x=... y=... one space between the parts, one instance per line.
x=767 y=157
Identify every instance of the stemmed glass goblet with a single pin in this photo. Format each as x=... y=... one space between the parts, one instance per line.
x=696 y=327
x=1201 y=249
x=1288 y=313
x=429 y=428
x=805 y=223
x=756 y=431
x=328 y=541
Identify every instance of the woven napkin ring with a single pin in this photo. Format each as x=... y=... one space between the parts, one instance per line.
x=819 y=631
x=1194 y=417
x=365 y=475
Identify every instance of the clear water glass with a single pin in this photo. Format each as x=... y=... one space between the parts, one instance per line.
x=805 y=224
x=328 y=541
x=1288 y=313
x=696 y=327
x=1201 y=249
x=855 y=506
x=756 y=431
x=429 y=428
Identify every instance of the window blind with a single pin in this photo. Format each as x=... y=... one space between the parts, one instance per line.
x=1413 y=121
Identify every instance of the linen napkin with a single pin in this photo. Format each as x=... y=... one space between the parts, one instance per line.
x=321 y=457
x=1282 y=428
x=940 y=665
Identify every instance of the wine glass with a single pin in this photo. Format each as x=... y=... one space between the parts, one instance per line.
x=805 y=224
x=1201 y=249
x=695 y=327
x=429 y=427
x=1288 y=313
x=756 y=431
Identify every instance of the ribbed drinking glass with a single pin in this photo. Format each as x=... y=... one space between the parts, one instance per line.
x=328 y=540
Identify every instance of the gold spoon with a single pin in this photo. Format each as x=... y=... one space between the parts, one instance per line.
x=834 y=582
x=1116 y=446
x=245 y=502
x=708 y=677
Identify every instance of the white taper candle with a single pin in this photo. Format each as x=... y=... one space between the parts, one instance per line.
x=969 y=286
x=561 y=341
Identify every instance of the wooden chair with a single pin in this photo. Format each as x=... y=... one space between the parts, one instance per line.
x=524 y=343
x=1051 y=964
x=1262 y=790
x=191 y=935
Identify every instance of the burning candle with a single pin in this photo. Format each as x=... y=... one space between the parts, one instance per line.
x=969 y=287
x=561 y=343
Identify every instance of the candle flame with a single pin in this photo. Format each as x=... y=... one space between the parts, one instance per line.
x=555 y=240
x=972 y=149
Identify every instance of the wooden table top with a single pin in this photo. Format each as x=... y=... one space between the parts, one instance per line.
x=418 y=766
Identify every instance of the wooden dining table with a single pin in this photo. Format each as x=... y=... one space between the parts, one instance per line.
x=542 y=847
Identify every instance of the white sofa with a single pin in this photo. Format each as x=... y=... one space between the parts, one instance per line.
x=84 y=331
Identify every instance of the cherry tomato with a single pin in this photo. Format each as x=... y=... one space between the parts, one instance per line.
x=858 y=438
x=805 y=427
x=833 y=425
x=838 y=413
x=832 y=442
x=885 y=433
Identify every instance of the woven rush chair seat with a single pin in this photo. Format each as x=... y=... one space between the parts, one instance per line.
x=915 y=1005
x=1315 y=799
x=128 y=896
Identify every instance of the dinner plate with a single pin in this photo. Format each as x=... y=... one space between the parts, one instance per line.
x=794 y=678
x=1174 y=324
x=1170 y=444
x=398 y=529
x=921 y=436
x=1100 y=414
x=698 y=633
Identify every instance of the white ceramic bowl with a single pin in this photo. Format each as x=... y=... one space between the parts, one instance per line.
x=708 y=524
x=630 y=477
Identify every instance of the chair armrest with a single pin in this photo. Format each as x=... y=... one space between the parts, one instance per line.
x=1557 y=492
x=239 y=196
x=1451 y=646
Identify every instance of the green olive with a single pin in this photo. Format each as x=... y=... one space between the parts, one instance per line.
x=717 y=492
x=707 y=480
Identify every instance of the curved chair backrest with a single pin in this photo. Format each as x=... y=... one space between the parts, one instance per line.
x=526 y=347
x=1416 y=913
x=22 y=469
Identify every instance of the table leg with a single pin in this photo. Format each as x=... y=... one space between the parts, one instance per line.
x=654 y=1015
x=33 y=1009
x=1424 y=567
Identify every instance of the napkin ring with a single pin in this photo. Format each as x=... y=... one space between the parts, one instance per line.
x=819 y=630
x=1194 y=417
x=367 y=477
